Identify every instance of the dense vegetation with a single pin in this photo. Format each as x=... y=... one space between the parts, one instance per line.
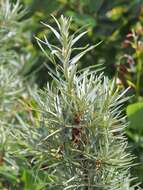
x=49 y=137
x=119 y=25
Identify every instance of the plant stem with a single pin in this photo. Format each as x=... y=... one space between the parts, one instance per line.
x=139 y=71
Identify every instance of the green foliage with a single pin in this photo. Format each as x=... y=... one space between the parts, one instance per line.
x=135 y=133
x=69 y=135
x=135 y=112
x=10 y=90
x=131 y=74
x=108 y=21
x=84 y=147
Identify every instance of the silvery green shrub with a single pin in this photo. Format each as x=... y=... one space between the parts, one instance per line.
x=73 y=135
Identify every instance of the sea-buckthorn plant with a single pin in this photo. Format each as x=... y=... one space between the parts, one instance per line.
x=80 y=142
x=69 y=135
x=10 y=81
x=10 y=89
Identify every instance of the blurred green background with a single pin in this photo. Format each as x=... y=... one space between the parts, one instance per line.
x=119 y=24
x=106 y=20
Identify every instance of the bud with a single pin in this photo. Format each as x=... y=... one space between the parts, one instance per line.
x=126 y=43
